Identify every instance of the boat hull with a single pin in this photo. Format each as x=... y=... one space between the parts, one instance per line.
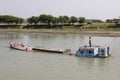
x=20 y=47
x=28 y=48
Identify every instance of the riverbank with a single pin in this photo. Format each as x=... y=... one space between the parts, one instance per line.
x=58 y=31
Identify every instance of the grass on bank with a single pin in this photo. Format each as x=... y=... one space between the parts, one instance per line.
x=85 y=27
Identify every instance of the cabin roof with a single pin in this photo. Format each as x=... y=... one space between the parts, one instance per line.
x=87 y=48
x=92 y=47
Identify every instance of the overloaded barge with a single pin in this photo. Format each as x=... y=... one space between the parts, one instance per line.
x=85 y=51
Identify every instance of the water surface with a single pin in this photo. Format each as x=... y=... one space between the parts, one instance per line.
x=22 y=65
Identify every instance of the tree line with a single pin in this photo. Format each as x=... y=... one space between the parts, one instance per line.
x=115 y=20
x=8 y=19
x=45 y=19
x=51 y=20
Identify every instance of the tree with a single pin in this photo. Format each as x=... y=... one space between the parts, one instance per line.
x=33 y=19
x=65 y=19
x=82 y=20
x=21 y=20
x=109 y=21
x=49 y=19
x=61 y=19
x=29 y=21
x=73 y=20
x=10 y=19
x=55 y=20
x=43 y=18
x=2 y=19
x=116 y=20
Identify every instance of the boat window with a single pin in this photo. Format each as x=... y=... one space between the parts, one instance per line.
x=81 y=51
x=102 y=54
x=90 y=52
x=102 y=50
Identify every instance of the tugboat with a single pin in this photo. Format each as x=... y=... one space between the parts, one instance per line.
x=93 y=51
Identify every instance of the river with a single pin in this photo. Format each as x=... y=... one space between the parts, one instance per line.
x=22 y=65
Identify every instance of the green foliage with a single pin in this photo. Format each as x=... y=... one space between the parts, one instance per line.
x=33 y=19
x=43 y=18
x=61 y=19
x=109 y=21
x=55 y=20
x=81 y=20
x=50 y=19
x=73 y=19
x=61 y=22
x=115 y=20
x=10 y=19
x=65 y=19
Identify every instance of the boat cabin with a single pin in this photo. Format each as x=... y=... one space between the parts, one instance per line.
x=104 y=51
x=87 y=51
x=93 y=51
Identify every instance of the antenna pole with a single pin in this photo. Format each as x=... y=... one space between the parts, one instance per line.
x=90 y=41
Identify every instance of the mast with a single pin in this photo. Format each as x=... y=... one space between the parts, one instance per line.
x=90 y=42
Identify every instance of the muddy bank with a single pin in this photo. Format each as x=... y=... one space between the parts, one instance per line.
x=56 y=31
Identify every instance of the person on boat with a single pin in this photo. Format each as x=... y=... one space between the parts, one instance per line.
x=23 y=45
x=10 y=43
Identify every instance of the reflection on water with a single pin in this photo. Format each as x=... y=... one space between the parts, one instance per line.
x=93 y=63
x=22 y=65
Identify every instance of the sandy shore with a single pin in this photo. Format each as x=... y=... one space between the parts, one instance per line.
x=97 y=32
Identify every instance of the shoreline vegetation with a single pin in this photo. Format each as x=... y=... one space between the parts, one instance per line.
x=64 y=31
x=46 y=23
x=75 y=31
